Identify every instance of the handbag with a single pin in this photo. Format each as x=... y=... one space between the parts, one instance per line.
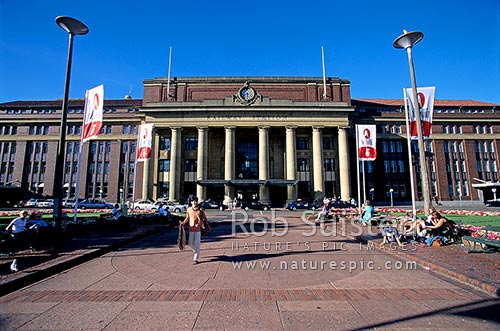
x=204 y=227
x=181 y=239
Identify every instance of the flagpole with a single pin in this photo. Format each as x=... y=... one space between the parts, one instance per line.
x=364 y=180
x=410 y=160
x=77 y=189
x=168 y=74
x=135 y=170
x=357 y=168
x=324 y=71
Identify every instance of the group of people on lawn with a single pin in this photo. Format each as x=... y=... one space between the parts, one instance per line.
x=410 y=228
x=430 y=231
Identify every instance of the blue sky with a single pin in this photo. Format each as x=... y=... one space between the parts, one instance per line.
x=129 y=42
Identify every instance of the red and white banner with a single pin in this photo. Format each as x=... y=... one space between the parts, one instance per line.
x=92 y=117
x=425 y=97
x=366 y=136
x=144 y=142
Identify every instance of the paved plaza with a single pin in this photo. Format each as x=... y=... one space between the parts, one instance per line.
x=276 y=272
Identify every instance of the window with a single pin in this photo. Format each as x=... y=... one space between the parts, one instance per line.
x=401 y=166
x=385 y=148
x=165 y=143
x=387 y=167
x=191 y=144
x=303 y=143
x=394 y=168
x=328 y=143
x=329 y=164
x=190 y=165
x=399 y=147
x=164 y=165
x=302 y=164
x=129 y=129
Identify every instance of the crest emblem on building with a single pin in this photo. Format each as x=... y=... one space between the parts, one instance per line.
x=246 y=95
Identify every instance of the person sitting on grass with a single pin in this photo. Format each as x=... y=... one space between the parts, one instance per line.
x=439 y=224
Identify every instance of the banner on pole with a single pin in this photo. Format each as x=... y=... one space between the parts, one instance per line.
x=425 y=100
x=366 y=136
x=144 y=142
x=92 y=117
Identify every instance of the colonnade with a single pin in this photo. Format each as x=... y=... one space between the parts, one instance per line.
x=290 y=171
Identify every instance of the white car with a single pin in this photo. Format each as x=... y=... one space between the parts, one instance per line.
x=47 y=203
x=145 y=205
x=175 y=207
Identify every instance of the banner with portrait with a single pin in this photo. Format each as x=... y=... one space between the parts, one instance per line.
x=425 y=100
x=92 y=115
x=366 y=136
x=144 y=142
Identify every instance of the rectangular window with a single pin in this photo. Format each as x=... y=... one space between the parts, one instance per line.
x=164 y=165
x=399 y=147
x=385 y=148
x=401 y=166
x=303 y=143
x=302 y=165
x=191 y=144
x=329 y=164
x=328 y=143
x=190 y=165
x=165 y=143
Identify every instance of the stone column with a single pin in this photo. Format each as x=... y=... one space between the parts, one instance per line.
x=229 y=164
x=317 y=147
x=175 y=156
x=202 y=162
x=344 y=168
x=264 y=162
x=291 y=162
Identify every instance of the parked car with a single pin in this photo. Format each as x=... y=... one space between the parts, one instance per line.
x=210 y=204
x=69 y=203
x=94 y=204
x=45 y=203
x=340 y=204
x=145 y=205
x=175 y=207
x=302 y=204
x=257 y=205
x=31 y=203
x=492 y=203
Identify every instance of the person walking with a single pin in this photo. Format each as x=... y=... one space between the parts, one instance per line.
x=17 y=229
x=197 y=219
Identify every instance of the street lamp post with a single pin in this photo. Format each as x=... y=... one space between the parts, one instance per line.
x=407 y=40
x=73 y=27
x=494 y=190
x=391 y=191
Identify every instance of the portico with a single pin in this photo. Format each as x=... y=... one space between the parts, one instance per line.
x=269 y=149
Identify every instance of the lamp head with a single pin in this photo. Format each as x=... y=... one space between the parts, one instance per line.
x=72 y=25
x=408 y=39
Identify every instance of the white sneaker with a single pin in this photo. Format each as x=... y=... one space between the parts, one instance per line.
x=13 y=266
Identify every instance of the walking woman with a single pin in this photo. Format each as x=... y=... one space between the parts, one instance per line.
x=197 y=219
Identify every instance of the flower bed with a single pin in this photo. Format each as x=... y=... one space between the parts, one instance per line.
x=480 y=231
